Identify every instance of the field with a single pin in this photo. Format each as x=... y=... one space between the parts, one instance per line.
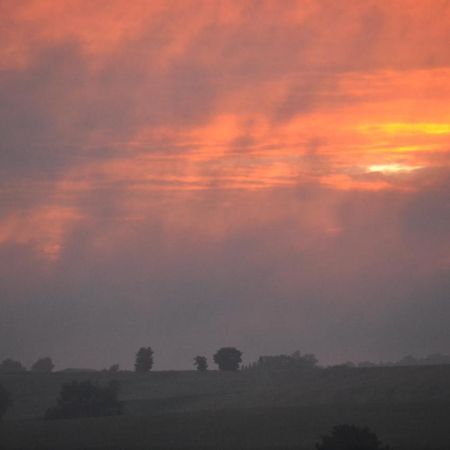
x=408 y=407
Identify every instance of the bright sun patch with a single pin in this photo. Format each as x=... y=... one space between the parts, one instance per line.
x=391 y=168
x=408 y=128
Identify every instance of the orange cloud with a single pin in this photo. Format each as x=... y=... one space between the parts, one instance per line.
x=186 y=97
x=43 y=228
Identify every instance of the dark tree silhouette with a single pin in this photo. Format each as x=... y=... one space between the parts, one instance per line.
x=351 y=437
x=5 y=401
x=85 y=399
x=294 y=361
x=201 y=363
x=228 y=358
x=144 y=360
x=44 y=365
x=10 y=366
x=114 y=368
x=306 y=361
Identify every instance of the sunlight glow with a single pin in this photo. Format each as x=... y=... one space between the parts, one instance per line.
x=408 y=128
x=391 y=168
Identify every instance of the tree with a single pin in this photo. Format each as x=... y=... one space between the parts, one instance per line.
x=144 y=360
x=306 y=361
x=5 y=401
x=11 y=366
x=201 y=363
x=43 y=365
x=294 y=361
x=228 y=358
x=85 y=399
x=351 y=437
x=114 y=368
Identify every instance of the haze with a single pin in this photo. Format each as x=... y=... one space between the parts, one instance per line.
x=190 y=175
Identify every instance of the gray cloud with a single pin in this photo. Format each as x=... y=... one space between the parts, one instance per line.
x=345 y=274
x=268 y=286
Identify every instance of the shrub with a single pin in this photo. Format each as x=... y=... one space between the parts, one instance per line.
x=11 y=366
x=294 y=361
x=85 y=399
x=43 y=365
x=114 y=368
x=351 y=437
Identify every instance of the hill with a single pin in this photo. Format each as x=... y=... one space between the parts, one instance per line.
x=406 y=406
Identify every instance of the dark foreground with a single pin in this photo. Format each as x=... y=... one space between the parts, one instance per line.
x=404 y=428
x=408 y=408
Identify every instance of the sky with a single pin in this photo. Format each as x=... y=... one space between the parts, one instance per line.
x=187 y=175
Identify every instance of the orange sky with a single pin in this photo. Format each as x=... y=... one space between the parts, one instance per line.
x=351 y=97
x=195 y=115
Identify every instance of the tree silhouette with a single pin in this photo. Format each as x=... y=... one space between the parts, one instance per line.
x=351 y=437
x=228 y=358
x=144 y=360
x=85 y=399
x=294 y=361
x=201 y=363
x=44 y=365
x=5 y=401
x=11 y=366
x=306 y=361
x=114 y=368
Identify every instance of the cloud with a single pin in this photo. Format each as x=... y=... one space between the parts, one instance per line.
x=201 y=172
x=269 y=273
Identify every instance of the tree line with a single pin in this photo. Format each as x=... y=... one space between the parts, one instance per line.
x=43 y=365
x=226 y=358
x=230 y=358
x=86 y=399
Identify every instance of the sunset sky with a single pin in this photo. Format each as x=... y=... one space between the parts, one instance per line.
x=271 y=175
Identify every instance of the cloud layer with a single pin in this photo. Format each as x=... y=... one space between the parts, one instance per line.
x=187 y=175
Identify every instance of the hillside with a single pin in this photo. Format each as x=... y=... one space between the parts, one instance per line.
x=407 y=406
x=193 y=391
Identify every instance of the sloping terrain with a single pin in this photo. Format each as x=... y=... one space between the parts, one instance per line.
x=192 y=391
x=408 y=407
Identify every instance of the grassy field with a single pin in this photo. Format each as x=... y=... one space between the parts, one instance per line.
x=407 y=407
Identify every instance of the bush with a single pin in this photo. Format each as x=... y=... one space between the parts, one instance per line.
x=294 y=361
x=351 y=437
x=5 y=400
x=11 y=366
x=85 y=399
x=43 y=365
x=114 y=368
